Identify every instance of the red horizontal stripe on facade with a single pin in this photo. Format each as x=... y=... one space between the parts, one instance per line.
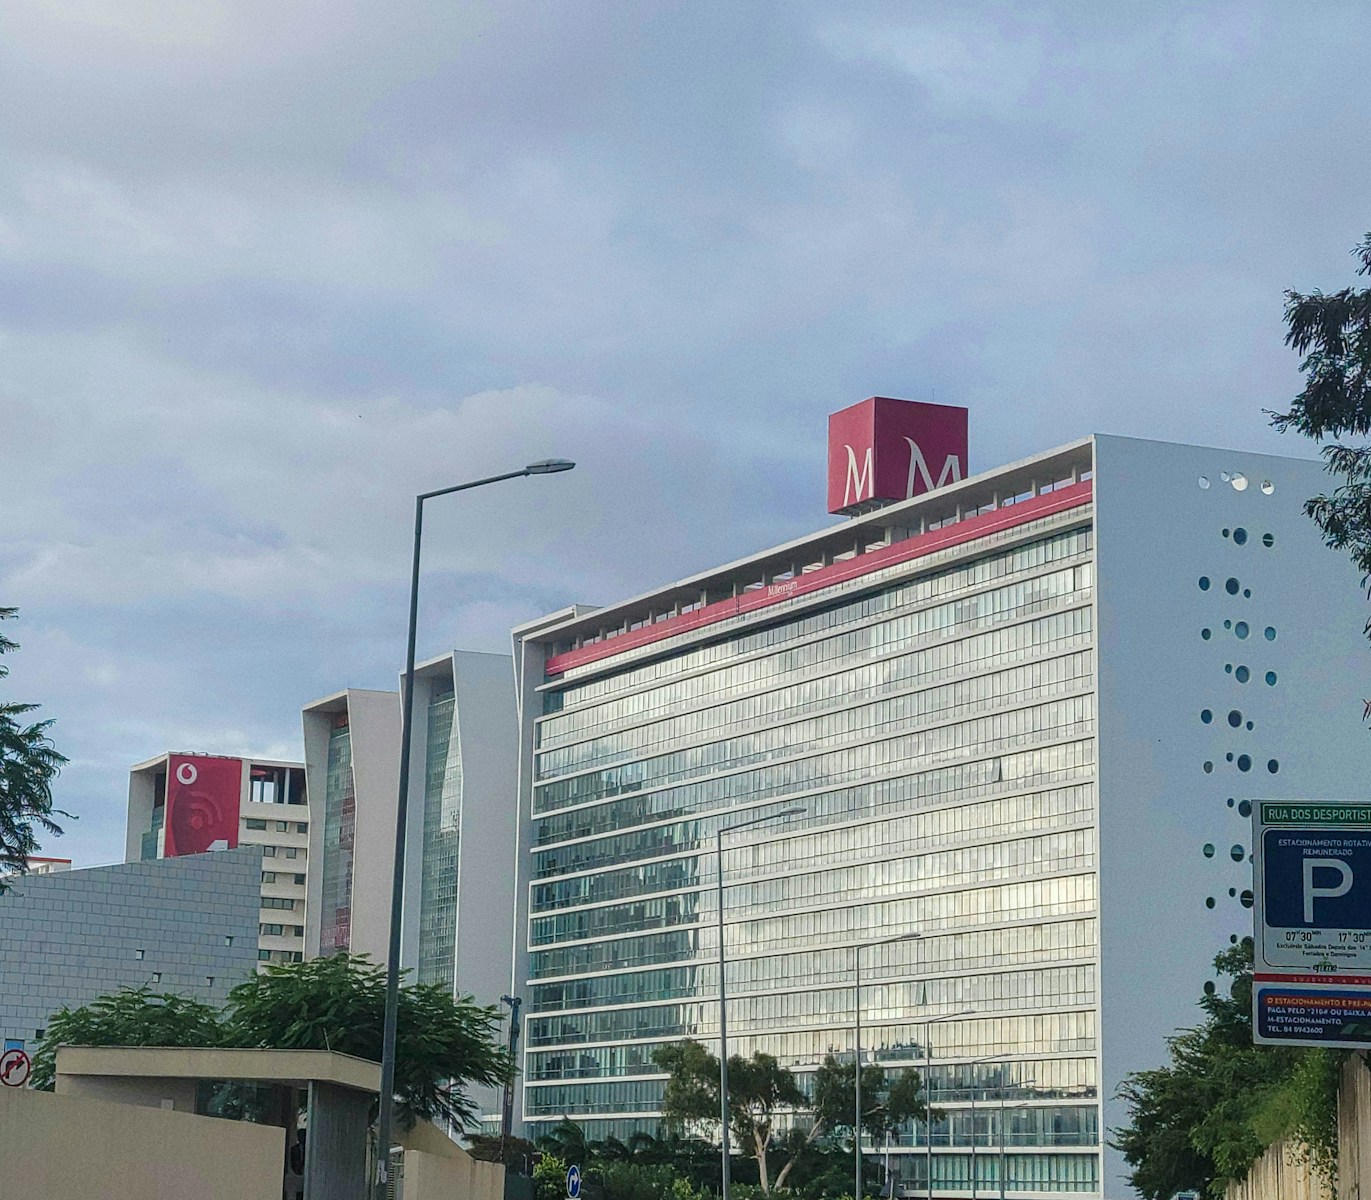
x=919 y=546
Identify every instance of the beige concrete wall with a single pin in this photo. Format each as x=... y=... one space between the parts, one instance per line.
x=1354 y=1130
x=438 y=1177
x=1280 y=1174
x=61 y=1147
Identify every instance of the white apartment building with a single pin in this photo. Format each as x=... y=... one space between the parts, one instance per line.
x=187 y=803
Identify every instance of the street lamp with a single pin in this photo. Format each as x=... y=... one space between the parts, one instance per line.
x=385 y=1118
x=928 y=1085
x=977 y=1062
x=723 y=1021
x=857 y=1093
x=1022 y=1083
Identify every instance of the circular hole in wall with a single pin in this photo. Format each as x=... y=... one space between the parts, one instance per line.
x=1239 y=481
x=1250 y=727
x=1245 y=807
x=1228 y=624
x=1269 y=633
x=1228 y=757
x=1271 y=679
x=1206 y=716
x=1204 y=481
x=1242 y=674
x=1208 y=903
x=1225 y=533
x=1247 y=593
x=1204 y=583
x=1240 y=536
x=1209 y=768
x=1230 y=801
x=1209 y=990
x=1236 y=853
x=1205 y=633
x=1241 y=630
x=1225 y=476
x=1232 y=939
x=1228 y=667
x=1244 y=762
x=1273 y=765
x=1234 y=719
x=1208 y=850
x=1268 y=540
x=1232 y=586
x=1232 y=891
x=1246 y=899
x=1267 y=487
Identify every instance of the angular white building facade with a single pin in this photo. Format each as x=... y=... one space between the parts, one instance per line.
x=1025 y=715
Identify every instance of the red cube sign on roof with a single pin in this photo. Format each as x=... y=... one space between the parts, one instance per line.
x=883 y=450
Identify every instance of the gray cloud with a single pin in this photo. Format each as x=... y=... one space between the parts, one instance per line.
x=266 y=270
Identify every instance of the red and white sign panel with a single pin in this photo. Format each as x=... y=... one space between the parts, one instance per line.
x=885 y=449
x=15 y=1068
x=203 y=795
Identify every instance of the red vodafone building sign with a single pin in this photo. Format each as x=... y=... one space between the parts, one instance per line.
x=884 y=449
x=203 y=794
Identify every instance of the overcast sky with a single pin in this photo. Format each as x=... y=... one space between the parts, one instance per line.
x=267 y=269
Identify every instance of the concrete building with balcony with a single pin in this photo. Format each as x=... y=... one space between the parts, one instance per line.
x=185 y=803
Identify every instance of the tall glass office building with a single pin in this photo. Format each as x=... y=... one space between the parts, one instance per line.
x=989 y=714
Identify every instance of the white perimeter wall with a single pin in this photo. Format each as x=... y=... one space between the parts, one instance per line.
x=1158 y=533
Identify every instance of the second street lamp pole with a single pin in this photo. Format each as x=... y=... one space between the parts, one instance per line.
x=857 y=1069
x=386 y=1115
x=928 y=1085
x=723 y=999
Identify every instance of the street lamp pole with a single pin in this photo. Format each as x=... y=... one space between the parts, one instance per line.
x=1003 y=1160
x=386 y=1116
x=719 y=832
x=974 y=1063
x=857 y=1070
x=928 y=1087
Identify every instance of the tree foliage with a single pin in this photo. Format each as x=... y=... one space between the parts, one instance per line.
x=758 y=1088
x=338 y=1003
x=29 y=763
x=1202 y=1121
x=887 y=1103
x=132 y=1017
x=1332 y=333
x=335 y=1003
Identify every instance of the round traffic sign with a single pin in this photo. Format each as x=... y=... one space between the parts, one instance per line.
x=15 y=1068
x=573 y=1181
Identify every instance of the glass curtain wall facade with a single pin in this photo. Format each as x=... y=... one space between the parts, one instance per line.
x=441 y=845
x=340 y=830
x=939 y=731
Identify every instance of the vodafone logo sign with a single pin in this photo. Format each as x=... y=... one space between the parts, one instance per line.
x=187 y=774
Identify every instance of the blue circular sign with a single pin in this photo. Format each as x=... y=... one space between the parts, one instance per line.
x=573 y=1181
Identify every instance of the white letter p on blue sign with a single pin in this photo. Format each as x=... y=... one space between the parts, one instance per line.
x=1312 y=893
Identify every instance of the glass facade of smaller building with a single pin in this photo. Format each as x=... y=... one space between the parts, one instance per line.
x=340 y=829
x=442 y=835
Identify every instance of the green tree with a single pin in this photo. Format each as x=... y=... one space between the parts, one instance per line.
x=549 y=1178
x=887 y=1102
x=335 y=1003
x=338 y=1003
x=28 y=765
x=131 y=1017
x=1200 y=1122
x=758 y=1088
x=1332 y=333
